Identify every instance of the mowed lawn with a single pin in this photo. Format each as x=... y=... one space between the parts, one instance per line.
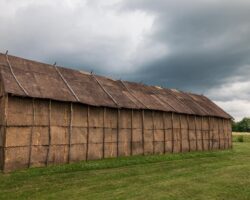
x=202 y=175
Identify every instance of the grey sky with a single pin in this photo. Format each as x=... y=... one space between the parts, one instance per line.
x=201 y=46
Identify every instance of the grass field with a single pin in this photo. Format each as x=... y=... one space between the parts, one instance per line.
x=207 y=175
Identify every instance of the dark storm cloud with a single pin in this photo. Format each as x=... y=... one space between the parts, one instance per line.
x=196 y=45
x=208 y=42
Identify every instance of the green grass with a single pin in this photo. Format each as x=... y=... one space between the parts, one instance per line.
x=244 y=136
x=199 y=175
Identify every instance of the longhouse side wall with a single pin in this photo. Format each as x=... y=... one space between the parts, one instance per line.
x=42 y=132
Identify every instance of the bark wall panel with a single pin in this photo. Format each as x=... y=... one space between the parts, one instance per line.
x=96 y=117
x=124 y=142
x=79 y=135
x=110 y=147
x=58 y=154
x=100 y=135
x=40 y=136
x=169 y=141
x=2 y=132
x=60 y=114
x=111 y=118
x=19 y=107
x=137 y=119
x=16 y=158
x=137 y=142
x=2 y=108
x=59 y=135
x=41 y=111
x=17 y=136
x=39 y=154
x=78 y=152
x=148 y=141
x=216 y=137
x=95 y=143
x=79 y=115
x=159 y=141
x=125 y=119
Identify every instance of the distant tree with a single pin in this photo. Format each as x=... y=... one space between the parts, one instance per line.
x=242 y=126
x=235 y=126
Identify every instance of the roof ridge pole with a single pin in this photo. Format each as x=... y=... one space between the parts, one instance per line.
x=13 y=74
x=66 y=83
x=110 y=96
x=130 y=92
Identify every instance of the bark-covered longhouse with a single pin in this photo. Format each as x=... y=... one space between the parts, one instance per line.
x=52 y=114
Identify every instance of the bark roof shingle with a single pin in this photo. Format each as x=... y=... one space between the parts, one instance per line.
x=39 y=80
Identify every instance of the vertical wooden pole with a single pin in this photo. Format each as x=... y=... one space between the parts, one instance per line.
x=87 y=145
x=227 y=135
x=180 y=132
x=212 y=129
x=219 y=133
x=118 y=131
x=31 y=134
x=143 y=132
x=103 y=137
x=223 y=131
x=48 y=151
x=131 y=136
x=209 y=133
x=202 y=137
x=188 y=127
x=164 y=129
x=196 y=135
x=153 y=130
x=6 y=104
x=70 y=131
x=172 y=124
x=231 y=137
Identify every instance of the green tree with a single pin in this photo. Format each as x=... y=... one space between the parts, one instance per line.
x=242 y=126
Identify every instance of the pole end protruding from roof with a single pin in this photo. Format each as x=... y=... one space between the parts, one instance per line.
x=6 y=53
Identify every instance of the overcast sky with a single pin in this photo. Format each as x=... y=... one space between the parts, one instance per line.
x=202 y=46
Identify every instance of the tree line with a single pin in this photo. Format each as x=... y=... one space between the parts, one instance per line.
x=242 y=126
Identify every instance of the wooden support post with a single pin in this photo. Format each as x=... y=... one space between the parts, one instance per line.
x=70 y=131
x=118 y=131
x=131 y=137
x=212 y=129
x=188 y=127
x=32 y=131
x=227 y=135
x=48 y=151
x=164 y=129
x=87 y=145
x=6 y=103
x=143 y=132
x=223 y=131
x=209 y=134
x=219 y=133
x=172 y=124
x=202 y=138
x=196 y=135
x=180 y=132
x=231 y=139
x=103 y=137
x=153 y=130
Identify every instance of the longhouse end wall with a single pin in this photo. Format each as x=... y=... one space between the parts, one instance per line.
x=40 y=132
